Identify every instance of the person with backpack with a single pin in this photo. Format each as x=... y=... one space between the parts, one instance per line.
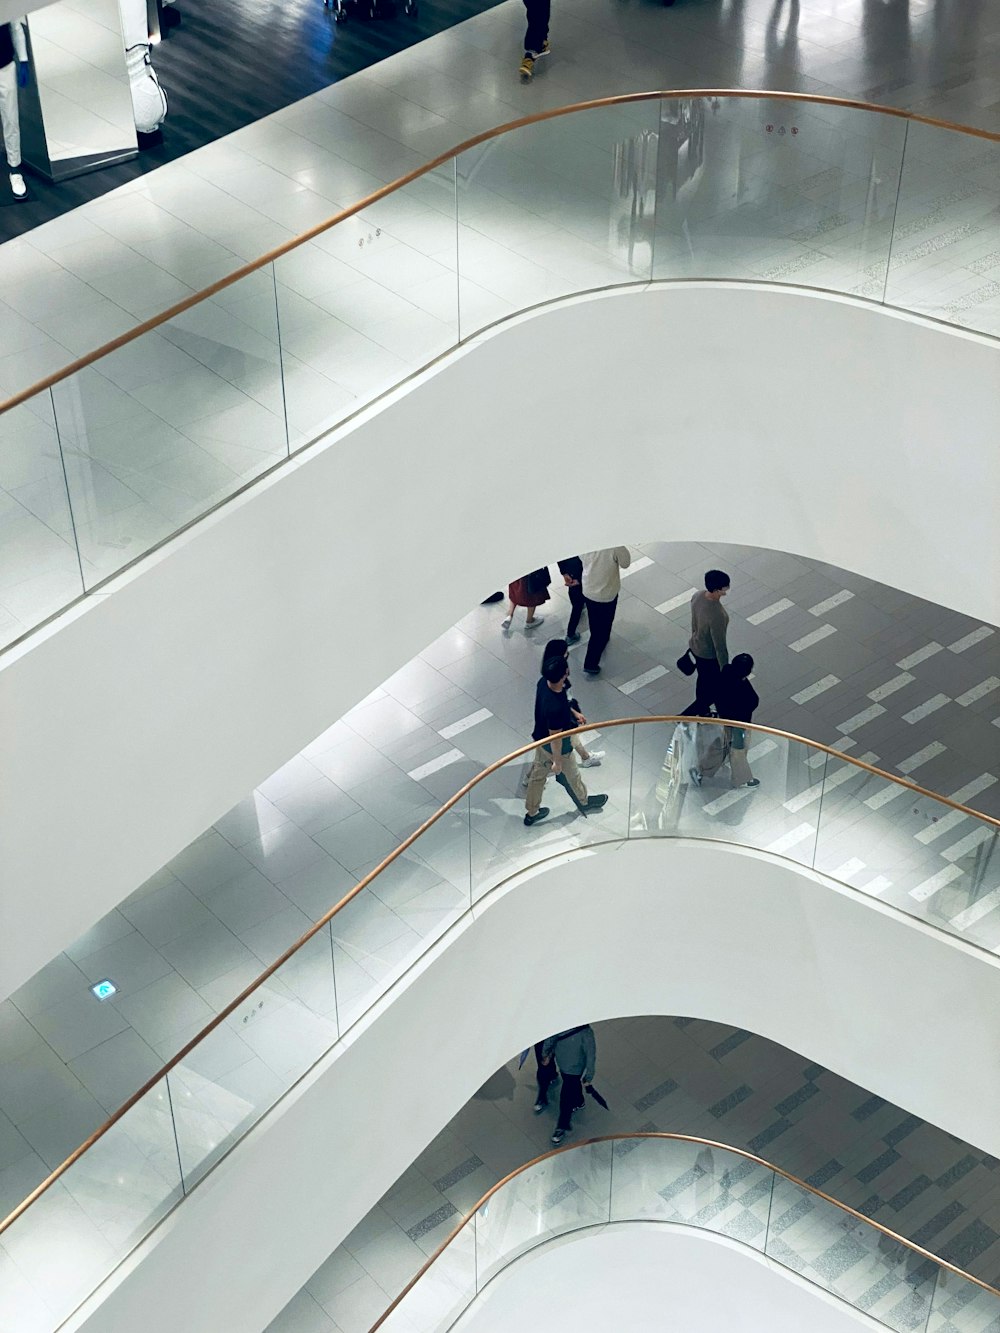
x=529 y=591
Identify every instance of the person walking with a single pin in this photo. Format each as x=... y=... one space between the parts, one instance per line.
x=556 y=650
x=546 y=1073
x=736 y=700
x=529 y=591
x=602 y=581
x=552 y=715
x=707 y=645
x=575 y=1051
x=572 y=572
x=536 y=37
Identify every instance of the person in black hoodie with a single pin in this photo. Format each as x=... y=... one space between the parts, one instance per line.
x=736 y=701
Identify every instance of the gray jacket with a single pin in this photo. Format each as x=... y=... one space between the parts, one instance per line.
x=575 y=1051
x=709 y=621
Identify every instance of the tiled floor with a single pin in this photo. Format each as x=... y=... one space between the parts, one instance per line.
x=827 y=645
x=167 y=427
x=686 y=1076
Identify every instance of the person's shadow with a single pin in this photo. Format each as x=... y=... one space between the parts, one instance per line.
x=781 y=44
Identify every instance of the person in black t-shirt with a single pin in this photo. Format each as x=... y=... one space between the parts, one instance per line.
x=572 y=571
x=552 y=715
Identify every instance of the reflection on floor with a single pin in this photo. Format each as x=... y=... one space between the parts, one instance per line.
x=174 y=424
x=691 y=1077
x=827 y=645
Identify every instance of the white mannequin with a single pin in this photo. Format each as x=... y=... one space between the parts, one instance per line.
x=149 y=101
x=10 y=77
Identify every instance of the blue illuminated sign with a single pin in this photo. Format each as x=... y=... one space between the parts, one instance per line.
x=103 y=990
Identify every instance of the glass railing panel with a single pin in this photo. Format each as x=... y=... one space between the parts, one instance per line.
x=410 y=904
x=502 y=845
x=158 y=432
x=960 y=1306
x=947 y=229
x=690 y=781
x=562 y=1193
x=667 y=1180
x=39 y=569
x=849 y=1258
x=75 y=1234
x=911 y=851
x=557 y=207
x=242 y=1067
x=434 y=1303
x=776 y=191
x=367 y=303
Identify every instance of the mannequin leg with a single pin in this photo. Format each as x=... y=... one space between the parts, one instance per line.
x=9 y=116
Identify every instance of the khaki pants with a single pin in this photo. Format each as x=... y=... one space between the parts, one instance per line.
x=541 y=769
x=9 y=115
x=739 y=764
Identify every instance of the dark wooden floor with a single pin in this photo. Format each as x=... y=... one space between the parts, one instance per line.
x=231 y=62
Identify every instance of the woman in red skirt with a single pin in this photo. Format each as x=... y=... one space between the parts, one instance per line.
x=530 y=591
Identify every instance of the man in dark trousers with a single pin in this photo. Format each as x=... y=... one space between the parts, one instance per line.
x=536 y=38
x=572 y=572
x=602 y=581
x=707 y=645
x=575 y=1051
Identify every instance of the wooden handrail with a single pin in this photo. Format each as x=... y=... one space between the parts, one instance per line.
x=408 y=842
x=624 y=99
x=677 y=1138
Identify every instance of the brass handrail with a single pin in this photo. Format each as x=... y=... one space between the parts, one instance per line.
x=311 y=233
x=679 y=1138
x=408 y=842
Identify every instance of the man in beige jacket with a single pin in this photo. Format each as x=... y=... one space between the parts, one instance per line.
x=602 y=581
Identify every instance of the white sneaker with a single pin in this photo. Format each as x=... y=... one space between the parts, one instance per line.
x=593 y=760
x=538 y=620
x=505 y=623
x=17 y=185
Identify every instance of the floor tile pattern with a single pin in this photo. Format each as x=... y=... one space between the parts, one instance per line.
x=170 y=426
x=689 y=1076
x=189 y=940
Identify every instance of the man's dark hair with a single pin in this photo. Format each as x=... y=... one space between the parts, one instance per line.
x=554 y=669
x=716 y=579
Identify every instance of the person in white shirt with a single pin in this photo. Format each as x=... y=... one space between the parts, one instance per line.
x=602 y=581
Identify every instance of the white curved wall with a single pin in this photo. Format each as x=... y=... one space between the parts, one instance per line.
x=656 y=1278
x=771 y=418
x=646 y=927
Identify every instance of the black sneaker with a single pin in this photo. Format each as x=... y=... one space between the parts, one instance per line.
x=754 y=782
x=537 y=818
x=596 y=802
x=572 y=638
x=558 y=1136
x=540 y=1107
x=591 y=671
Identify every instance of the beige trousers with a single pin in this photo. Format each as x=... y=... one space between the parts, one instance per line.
x=541 y=769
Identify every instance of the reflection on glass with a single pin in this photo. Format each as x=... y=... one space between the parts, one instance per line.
x=947 y=233
x=776 y=191
x=669 y=1180
x=72 y=1237
x=557 y=207
x=848 y=1257
x=501 y=845
x=239 y=1070
x=562 y=1193
x=156 y=433
x=367 y=303
x=683 y=786
x=960 y=1306
x=445 y=1290
x=39 y=569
